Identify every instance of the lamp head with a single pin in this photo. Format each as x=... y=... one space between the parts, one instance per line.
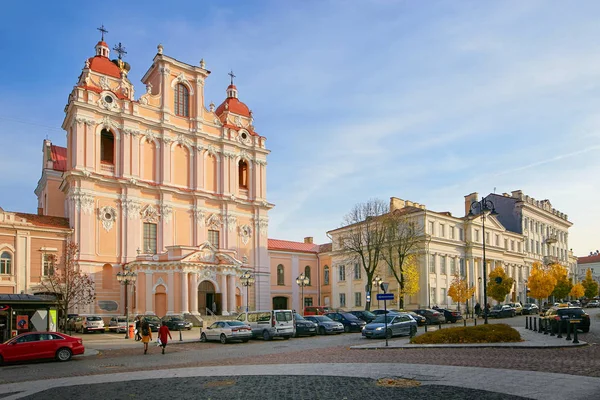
x=120 y=276
x=494 y=212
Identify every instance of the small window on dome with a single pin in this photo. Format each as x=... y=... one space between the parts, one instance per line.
x=182 y=100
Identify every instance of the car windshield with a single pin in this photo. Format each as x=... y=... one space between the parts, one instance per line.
x=152 y=319
x=298 y=317
x=121 y=319
x=498 y=307
x=321 y=318
x=283 y=316
x=571 y=311
x=94 y=319
x=368 y=314
x=382 y=318
x=350 y=317
x=177 y=318
x=235 y=323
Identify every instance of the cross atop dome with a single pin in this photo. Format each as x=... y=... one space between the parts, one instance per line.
x=101 y=29
x=232 y=76
x=231 y=89
x=120 y=50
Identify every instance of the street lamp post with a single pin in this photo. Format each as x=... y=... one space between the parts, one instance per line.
x=480 y=292
x=125 y=278
x=483 y=207
x=376 y=281
x=302 y=281
x=247 y=280
x=473 y=301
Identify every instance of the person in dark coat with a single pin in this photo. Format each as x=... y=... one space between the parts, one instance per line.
x=477 y=309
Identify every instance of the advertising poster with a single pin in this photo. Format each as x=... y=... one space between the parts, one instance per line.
x=22 y=322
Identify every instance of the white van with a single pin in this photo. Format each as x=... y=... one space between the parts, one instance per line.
x=269 y=324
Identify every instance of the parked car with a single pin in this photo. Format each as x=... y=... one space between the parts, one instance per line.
x=71 y=323
x=226 y=331
x=381 y=311
x=304 y=327
x=502 y=311
x=89 y=323
x=431 y=316
x=269 y=324
x=351 y=322
x=575 y=303
x=530 y=308
x=153 y=321
x=449 y=315
x=421 y=320
x=325 y=324
x=593 y=303
x=316 y=310
x=397 y=324
x=366 y=316
x=518 y=308
x=176 y=322
x=568 y=315
x=40 y=345
x=118 y=324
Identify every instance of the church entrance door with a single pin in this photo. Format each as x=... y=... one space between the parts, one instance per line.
x=206 y=297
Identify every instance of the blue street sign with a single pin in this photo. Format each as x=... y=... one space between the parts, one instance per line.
x=385 y=296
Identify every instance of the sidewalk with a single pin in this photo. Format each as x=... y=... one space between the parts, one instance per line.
x=108 y=341
x=531 y=339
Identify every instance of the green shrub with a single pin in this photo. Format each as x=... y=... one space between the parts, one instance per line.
x=492 y=333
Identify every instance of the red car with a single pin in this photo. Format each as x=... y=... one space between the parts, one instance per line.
x=40 y=345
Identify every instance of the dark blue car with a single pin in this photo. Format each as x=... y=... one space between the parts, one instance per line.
x=351 y=322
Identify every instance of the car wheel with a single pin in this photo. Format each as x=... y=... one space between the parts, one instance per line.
x=321 y=331
x=346 y=328
x=223 y=338
x=388 y=334
x=266 y=335
x=203 y=338
x=63 y=354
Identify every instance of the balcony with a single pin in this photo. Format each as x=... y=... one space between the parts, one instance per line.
x=550 y=260
x=551 y=239
x=107 y=168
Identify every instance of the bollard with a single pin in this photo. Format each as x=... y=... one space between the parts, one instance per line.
x=527 y=322
x=426 y=327
x=475 y=320
x=546 y=326
x=575 y=340
x=465 y=322
x=180 y=339
x=568 y=330
x=440 y=325
x=535 y=324
x=541 y=326
x=560 y=325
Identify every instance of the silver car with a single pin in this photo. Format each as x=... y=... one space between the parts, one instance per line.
x=226 y=331
x=397 y=324
x=118 y=324
x=325 y=324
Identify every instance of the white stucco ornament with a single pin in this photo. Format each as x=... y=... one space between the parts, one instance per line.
x=214 y=222
x=245 y=233
x=149 y=214
x=108 y=216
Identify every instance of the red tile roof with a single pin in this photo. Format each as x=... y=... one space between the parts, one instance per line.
x=59 y=156
x=588 y=259
x=234 y=106
x=103 y=65
x=45 y=220
x=324 y=248
x=286 y=245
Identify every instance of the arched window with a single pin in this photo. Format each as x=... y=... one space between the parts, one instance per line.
x=243 y=174
x=280 y=276
x=326 y=275
x=182 y=100
x=107 y=147
x=5 y=263
x=307 y=274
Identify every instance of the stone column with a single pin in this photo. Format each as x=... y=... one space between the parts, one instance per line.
x=224 y=306
x=184 y=293
x=231 y=294
x=149 y=294
x=194 y=294
x=171 y=293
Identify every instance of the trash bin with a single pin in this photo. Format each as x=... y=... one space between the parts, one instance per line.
x=131 y=329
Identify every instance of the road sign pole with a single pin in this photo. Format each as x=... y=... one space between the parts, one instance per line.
x=386 y=316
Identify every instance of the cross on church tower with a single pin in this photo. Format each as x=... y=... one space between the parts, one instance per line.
x=232 y=76
x=120 y=49
x=101 y=29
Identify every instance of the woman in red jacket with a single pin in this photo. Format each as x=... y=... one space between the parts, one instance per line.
x=163 y=332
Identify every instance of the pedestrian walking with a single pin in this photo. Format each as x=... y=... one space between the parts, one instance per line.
x=146 y=335
x=163 y=332
x=138 y=324
x=477 y=309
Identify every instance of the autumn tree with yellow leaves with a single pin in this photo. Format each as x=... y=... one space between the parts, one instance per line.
x=499 y=284
x=460 y=291
x=590 y=285
x=577 y=291
x=563 y=283
x=541 y=283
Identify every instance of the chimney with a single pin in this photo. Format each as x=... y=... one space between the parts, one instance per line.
x=308 y=239
x=396 y=204
x=469 y=199
x=40 y=211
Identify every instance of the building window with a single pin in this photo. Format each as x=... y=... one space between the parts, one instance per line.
x=149 y=238
x=308 y=302
x=5 y=263
x=326 y=275
x=443 y=265
x=444 y=298
x=477 y=235
x=432 y=263
x=532 y=248
x=243 y=174
x=506 y=244
x=462 y=267
x=498 y=240
x=431 y=227
x=47 y=265
x=342 y=276
x=487 y=238
x=452 y=266
x=307 y=274
x=442 y=230
x=280 y=276
x=107 y=147
x=526 y=245
x=182 y=100
x=451 y=232
x=537 y=247
x=357 y=299
x=357 y=272
x=213 y=238
x=460 y=234
x=512 y=245
x=342 y=300
x=432 y=298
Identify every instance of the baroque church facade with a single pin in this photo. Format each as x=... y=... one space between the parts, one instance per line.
x=162 y=186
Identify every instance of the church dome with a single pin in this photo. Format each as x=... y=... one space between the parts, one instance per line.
x=232 y=104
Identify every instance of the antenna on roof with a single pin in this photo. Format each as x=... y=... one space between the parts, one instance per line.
x=494 y=189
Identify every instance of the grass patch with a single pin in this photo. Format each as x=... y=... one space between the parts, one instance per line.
x=492 y=333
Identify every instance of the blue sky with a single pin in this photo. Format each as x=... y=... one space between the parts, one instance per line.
x=357 y=99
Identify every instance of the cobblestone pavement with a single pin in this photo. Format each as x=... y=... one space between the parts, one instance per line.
x=263 y=387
